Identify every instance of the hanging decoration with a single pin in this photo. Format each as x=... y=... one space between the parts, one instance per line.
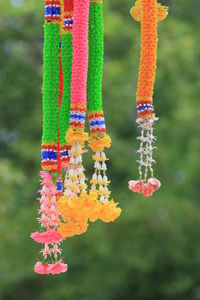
x=51 y=185
x=78 y=206
x=148 y=13
x=72 y=84
x=98 y=139
x=74 y=221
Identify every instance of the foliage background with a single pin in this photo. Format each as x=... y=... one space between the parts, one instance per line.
x=152 y=251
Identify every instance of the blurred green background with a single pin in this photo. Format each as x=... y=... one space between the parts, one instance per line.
x=152 y=252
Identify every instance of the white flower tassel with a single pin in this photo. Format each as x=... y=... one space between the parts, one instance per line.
x=144 y=185
x=99 y=180
x=75 y=178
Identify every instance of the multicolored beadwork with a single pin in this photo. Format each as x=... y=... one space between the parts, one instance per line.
x=145 y=109
x=52 y=11
x=77 y=116
x=68 y=23
x=96 y=122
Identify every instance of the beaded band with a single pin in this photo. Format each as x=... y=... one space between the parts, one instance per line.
x=96 y=122
x=52 y=11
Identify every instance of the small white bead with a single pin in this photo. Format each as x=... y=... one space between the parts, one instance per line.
x=105 y=178
x=94 y=177
x=99 y=178
x=104 y=167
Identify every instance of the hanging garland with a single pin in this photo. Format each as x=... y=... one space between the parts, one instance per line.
x=148 y=13
x=72 y=78
x=74 y=218
x=49 y=216
x=98 y=139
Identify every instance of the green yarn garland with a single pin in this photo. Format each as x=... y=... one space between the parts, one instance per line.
x=51 y=82
x=95 y=64
x=66 y=54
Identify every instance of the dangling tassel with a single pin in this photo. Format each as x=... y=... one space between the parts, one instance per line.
x=144 y=185
x=108 y=210
x=99 y=180
x=48 y=236
x=98 y=139
x=148 y=13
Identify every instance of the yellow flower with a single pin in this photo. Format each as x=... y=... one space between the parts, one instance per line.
x=75 y=135
x=109 y=212
x=98 y=141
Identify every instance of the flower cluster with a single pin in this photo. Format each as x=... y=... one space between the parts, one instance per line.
x=147 y=189
x=77 y=212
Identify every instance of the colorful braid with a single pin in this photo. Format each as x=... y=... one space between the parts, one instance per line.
x=148 y=13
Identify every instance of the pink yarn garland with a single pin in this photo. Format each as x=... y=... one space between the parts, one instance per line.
x=80 y=52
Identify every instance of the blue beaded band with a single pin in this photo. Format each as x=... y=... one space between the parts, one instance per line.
x=59 y=185
x=144 y=107
x=49 y=155
x=52 y=11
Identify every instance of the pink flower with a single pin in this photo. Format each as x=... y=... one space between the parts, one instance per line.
x=48 y=236
x=41 y=268
x=154 y=183
x=147 y=189
x=137 y=186
x=57 y=268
